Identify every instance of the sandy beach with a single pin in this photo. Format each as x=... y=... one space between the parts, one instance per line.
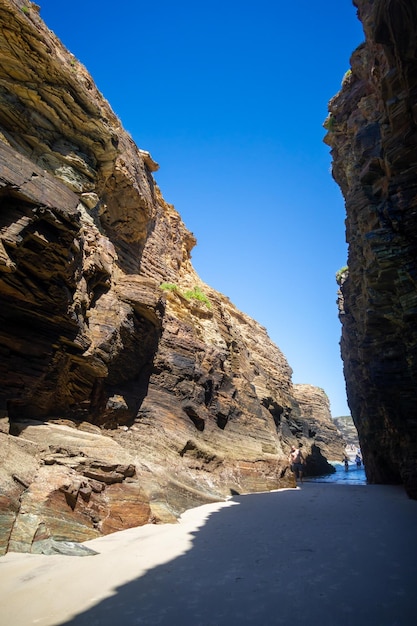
x=326 y=554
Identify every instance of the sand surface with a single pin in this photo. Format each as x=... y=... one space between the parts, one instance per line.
x=322 y=554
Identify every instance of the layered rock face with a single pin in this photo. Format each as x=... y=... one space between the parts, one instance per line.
x=130 y=390
x=373 y=134
x=319 y=436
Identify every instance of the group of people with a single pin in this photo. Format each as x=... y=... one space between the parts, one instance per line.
x=358 y=461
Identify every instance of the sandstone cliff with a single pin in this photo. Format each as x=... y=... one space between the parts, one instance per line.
x=130 y=389
x=373 y=135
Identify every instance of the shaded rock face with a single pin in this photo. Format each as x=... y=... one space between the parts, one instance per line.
x=127 y=395
x=318 y=436
x=373 y=136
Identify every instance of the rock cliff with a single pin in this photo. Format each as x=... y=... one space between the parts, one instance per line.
x=317 y=434
x=347 y=428
x=373 y=135
x=130 y=389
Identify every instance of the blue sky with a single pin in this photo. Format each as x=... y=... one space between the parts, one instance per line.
x=229 y=97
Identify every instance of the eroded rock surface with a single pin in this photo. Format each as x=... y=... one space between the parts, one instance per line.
x=346 y=426
x=130 y=390
x=320 y=439
x=373 y=136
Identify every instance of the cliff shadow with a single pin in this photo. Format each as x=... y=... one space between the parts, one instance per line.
x=300 y=556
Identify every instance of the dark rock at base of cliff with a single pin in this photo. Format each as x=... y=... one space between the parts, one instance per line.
x=316 y=463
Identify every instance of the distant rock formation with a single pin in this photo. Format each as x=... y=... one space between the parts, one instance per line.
x=346 y=426
x=373 y=135
x=319 y=436
x=130 y=390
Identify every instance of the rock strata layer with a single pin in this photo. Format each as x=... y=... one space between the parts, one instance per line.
x=130 y=390
x=319 y=438
x=373 y=135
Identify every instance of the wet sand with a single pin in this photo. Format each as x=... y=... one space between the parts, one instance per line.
x=325 y=554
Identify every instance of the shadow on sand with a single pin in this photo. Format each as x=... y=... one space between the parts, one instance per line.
x=332 y=555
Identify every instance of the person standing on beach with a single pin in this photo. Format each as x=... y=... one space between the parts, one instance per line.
x=296 y=461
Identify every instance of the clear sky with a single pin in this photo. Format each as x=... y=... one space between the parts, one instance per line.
x=229 y=97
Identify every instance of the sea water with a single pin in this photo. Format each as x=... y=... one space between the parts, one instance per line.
x=352 y=476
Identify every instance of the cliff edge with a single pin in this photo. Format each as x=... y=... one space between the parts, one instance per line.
x=372 y=130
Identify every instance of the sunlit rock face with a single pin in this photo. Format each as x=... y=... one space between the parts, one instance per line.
x=347 y=428
x=130 y=390
x=373 y=136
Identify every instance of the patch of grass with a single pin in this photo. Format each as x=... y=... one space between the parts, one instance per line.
x=25 y=10
x=197 y=294
x=192 y=294
x=168 y=287
x=346 y=76
x=330 y=123
x=342 y=274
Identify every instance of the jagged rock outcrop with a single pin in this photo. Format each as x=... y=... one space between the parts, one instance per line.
x=318 y=434
x=373 y=135
x=130 y=390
